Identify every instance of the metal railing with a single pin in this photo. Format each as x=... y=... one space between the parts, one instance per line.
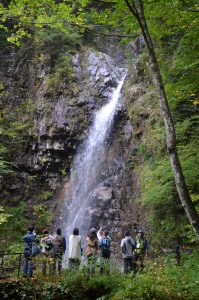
x=10 y=264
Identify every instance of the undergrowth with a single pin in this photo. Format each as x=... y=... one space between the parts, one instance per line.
x=161 y=279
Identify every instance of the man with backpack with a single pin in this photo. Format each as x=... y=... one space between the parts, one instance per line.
x=105 y=247
x=141 y=249
x=127 y=247
x=59 y=242
x=28 y=238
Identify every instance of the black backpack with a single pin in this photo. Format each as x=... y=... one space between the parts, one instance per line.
x=48 y=245
x=59 y=244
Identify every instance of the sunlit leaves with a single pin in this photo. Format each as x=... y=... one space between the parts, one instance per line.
x=5 y=168
x=3 y=216
x=26 y=16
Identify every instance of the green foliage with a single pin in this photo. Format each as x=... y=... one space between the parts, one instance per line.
x=43 y=216
x=164 y=280
x=183 y=79
x=56 y=41
x=3 y=216
x=156 y=182
x=13 y=229
x=5 y=168
x=61 y=46
x=14 y=129
x=28 y=16
x=45 y=195
x=161 y=279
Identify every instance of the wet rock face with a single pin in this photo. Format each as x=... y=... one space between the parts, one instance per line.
x=62 y=122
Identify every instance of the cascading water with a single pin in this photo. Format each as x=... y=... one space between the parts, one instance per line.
x=87 y=166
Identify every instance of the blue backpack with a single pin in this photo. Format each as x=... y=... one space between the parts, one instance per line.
x=105 y=247
x=36 y=249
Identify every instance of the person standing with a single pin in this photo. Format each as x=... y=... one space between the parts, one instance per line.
x=28 y=239
x=127 y=247
x=74 y=250
x=47 y=250
x=59 y=248
x=91 y=250
x=105 y=247
x=140 y=249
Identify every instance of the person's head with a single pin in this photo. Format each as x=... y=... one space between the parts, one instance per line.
x=126 y=233
x=58 y=231
x=75 y=231
x=31 y=228
x=93 y=231
x=101 y=233
x=92 y=236
x=106 y=232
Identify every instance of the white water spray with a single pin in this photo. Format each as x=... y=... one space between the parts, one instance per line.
x=87 y=166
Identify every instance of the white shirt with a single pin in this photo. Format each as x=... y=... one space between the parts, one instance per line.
x=75 y=246
x=99 y=236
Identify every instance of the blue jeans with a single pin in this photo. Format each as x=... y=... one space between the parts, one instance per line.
x=27 y=267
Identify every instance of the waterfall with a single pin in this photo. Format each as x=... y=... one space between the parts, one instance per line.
x=87 y=166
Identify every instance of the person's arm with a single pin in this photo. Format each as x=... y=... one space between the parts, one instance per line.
x=133 y=244
x=98 y=234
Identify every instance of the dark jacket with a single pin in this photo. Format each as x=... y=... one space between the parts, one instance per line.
x=28 y=241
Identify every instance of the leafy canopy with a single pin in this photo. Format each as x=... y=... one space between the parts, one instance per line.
x=24 y=16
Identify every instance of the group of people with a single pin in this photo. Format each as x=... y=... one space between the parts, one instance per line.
x=51 y=249
x=134 y=251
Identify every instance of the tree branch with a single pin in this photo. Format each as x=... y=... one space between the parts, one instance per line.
x=114 y=35
x=132 y=9
x=89 y=27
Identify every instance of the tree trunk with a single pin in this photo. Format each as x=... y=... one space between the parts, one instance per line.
x=181 y=186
